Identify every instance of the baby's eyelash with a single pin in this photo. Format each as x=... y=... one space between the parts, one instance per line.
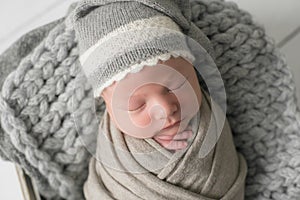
x=137 y=109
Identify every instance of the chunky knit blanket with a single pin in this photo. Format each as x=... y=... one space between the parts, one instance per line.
x=48 y=111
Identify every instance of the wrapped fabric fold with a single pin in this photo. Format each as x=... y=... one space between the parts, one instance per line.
x=142 y=169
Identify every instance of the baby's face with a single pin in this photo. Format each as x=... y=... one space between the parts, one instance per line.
x=145 y=103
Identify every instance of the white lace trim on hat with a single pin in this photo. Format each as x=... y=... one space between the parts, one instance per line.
x=139 y=66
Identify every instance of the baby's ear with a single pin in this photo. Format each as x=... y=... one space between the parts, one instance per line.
x=102 y=95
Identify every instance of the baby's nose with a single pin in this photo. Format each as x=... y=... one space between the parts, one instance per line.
x=164 y=107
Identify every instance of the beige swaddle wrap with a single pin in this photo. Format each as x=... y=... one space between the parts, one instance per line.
x=127 y=168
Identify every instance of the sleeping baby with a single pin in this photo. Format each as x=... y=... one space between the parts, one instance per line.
x=157 y=91
x=159 y=136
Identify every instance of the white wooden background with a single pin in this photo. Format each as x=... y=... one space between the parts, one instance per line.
x=280 y=18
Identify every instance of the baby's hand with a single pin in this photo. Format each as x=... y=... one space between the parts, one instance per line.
x=178 y=142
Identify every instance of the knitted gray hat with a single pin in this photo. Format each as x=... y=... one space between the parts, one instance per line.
x=116 y=37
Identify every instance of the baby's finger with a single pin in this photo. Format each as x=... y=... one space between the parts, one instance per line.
x=176 y=145
x=183 y=135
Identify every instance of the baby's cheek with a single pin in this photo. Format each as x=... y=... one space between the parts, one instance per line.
x=140 y=120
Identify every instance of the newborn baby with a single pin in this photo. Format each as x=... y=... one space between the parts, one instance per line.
x=136 y=113
x=157 y=103
x=159 y=137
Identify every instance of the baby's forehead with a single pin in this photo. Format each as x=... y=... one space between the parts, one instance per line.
x=164 y=72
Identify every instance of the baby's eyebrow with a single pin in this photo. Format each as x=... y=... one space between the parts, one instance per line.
x=136 y=95
x=167 y=82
